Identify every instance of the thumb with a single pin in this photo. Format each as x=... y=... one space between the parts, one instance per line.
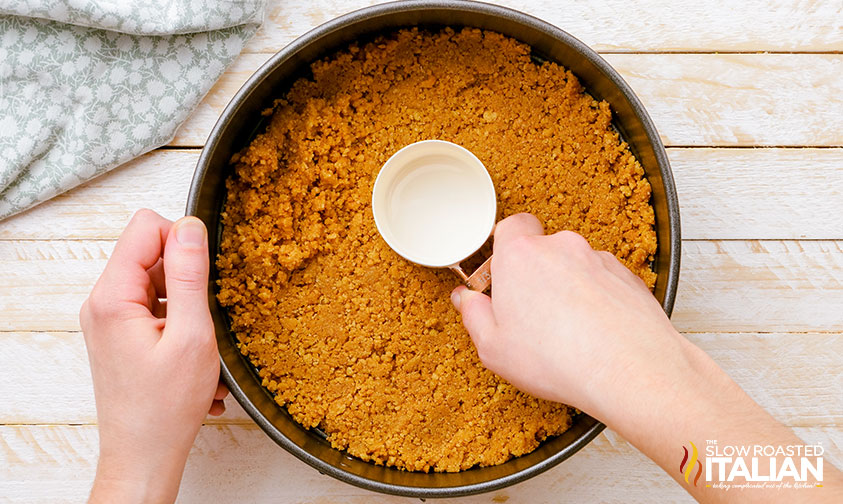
x=477 y=315
x=186 y=275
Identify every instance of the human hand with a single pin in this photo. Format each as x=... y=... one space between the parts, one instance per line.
x=564 y=322
x=154 y=363
x=569 y=324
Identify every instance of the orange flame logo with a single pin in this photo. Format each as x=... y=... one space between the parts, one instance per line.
x=688 y=465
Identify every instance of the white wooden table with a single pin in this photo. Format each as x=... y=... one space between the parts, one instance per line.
x=748 y=97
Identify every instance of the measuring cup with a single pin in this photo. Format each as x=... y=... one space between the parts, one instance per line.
x=434 y=204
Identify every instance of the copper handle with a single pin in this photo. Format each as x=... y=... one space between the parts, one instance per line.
x=478 y=281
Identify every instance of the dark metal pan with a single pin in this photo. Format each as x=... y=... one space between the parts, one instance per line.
x=241 y=120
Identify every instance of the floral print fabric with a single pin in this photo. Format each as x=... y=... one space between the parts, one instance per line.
x=88 y=85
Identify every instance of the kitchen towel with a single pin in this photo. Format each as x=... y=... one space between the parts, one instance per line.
x=86 y=85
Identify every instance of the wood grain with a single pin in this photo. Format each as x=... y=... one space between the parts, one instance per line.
x=101 y=208
x=61 y=461
x=739 y=99
x=611 y=25
x=777 y=370
x=725 y=286
x=759 y=193
x=40 y=361
x=229 y=462
x=694 y=99
x=724 y=194
x=760 y=285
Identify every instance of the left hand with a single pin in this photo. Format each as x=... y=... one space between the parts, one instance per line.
x=154 y=363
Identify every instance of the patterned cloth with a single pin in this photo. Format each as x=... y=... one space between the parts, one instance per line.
x=86 y=85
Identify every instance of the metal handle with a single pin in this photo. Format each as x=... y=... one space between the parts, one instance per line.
x=478 y=281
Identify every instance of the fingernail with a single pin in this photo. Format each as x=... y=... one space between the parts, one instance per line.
x=455 y=299
x=190 y=231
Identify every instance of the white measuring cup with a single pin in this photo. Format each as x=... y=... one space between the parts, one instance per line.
x=434 y=204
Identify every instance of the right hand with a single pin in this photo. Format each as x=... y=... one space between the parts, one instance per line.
x=572 y=325
x=565 y=322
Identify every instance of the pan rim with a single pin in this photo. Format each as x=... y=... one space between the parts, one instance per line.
x=531 y=22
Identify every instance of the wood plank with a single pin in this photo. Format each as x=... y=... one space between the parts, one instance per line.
x=610 y=25
x=39 y=361
x=46 y=282
x=57 y=464
x=101 y=208
x=765 y=286
x=725 y=286
x=739 y=99
x=694 y=99
x=723 y=194
x=779 y=371
x=759 y=193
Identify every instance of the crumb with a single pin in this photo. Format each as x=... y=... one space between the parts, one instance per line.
x=346 y=334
